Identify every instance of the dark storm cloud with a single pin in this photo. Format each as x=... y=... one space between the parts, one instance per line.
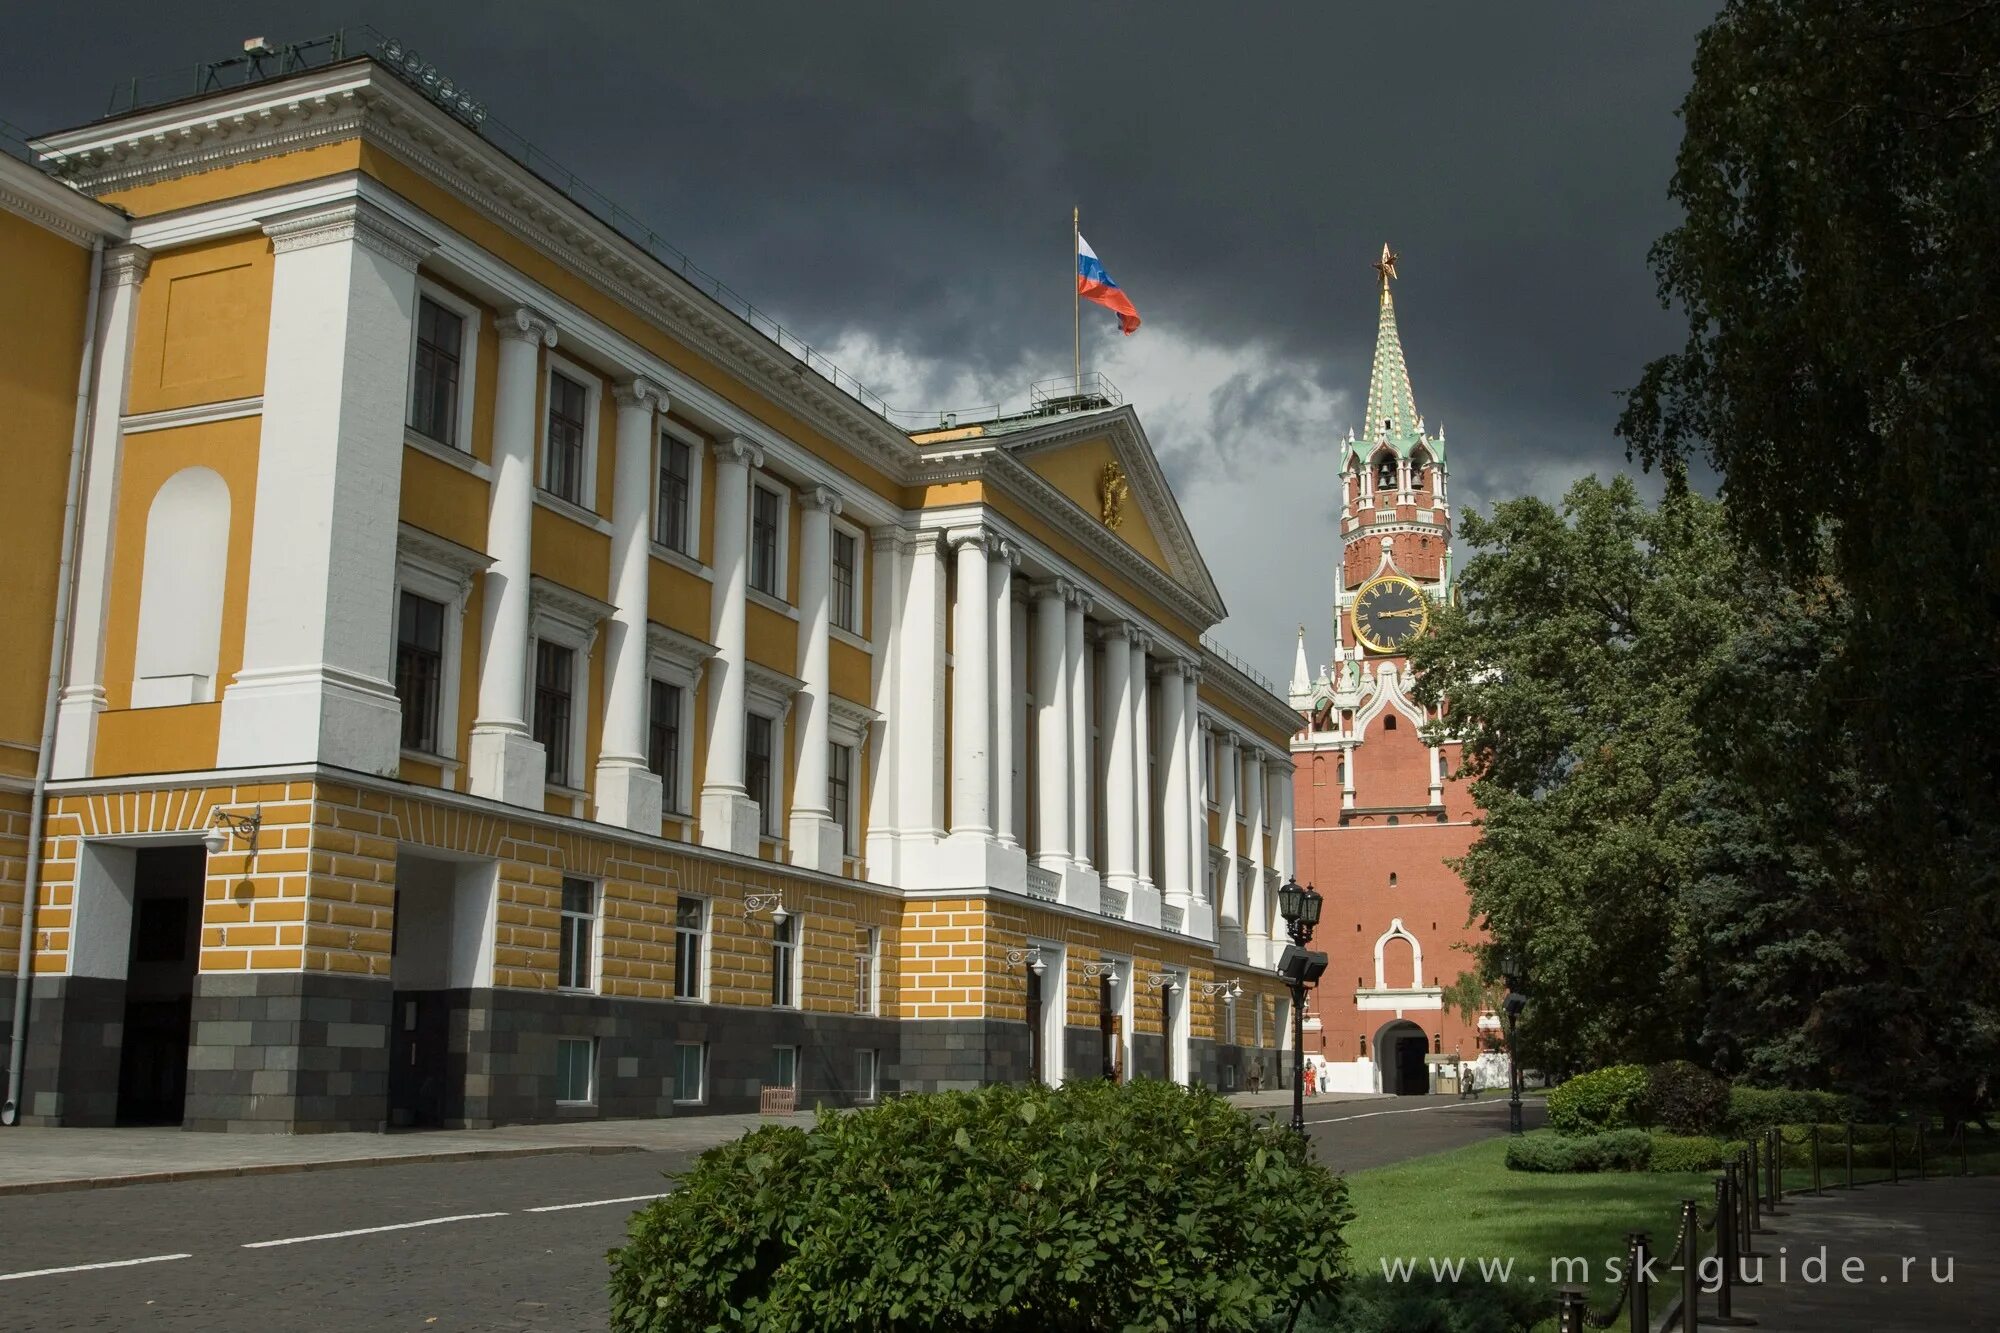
x=907 y=172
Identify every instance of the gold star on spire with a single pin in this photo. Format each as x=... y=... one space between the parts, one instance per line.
x=1385 y=267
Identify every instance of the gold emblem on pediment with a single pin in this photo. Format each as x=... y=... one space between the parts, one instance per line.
x=1113 y=491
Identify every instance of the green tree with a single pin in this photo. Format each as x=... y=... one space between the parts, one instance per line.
x=1839 y=267
x=1572 y=668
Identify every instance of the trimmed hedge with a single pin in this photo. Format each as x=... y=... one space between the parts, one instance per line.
x=1618 y=1150
x=1753 y=1109
x=1691 y=1152
x=1010 y=1209
x=1686 y=1099
x=1612 y=1098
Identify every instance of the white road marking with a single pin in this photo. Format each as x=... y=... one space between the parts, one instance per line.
x=85 y=1268
x=1406 y=1110
x=594 y=1203
x=369 y=1231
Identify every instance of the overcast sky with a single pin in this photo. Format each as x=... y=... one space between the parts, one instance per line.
x=895 y=182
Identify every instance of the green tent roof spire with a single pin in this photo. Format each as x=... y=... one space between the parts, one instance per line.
x=1392 y=408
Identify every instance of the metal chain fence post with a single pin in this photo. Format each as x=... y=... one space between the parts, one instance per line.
x=1570 y=1310
x=1813 y=1148
x=1690 y=1260
x=1895 y=1170
x=1725 y=1243
x=1640 y=1247
x=1850 y=1154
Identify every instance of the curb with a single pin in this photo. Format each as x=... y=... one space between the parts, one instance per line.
x=291 y=1168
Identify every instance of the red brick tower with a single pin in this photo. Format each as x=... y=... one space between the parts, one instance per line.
x=1377 y=817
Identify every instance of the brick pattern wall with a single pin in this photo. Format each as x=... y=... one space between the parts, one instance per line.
x=943 y=953
x=13 y=872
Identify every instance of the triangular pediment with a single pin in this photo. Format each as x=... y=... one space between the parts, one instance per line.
x=1072 y=455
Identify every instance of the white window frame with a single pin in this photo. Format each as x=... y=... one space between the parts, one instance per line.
x=704 y=938
x=443 y=571
x=589 y=1097
x=768 y=694
x=593 y=406
x=794 y=971
x=781 y=592
x=847 y=724
x=1228 y=1021
x=697 y=449
x=797 y=1052
x=1055 y=1010
x=857 y=637
x=570 y=619
x=871 y=950
x=871 y=1090
x=468 y=367
x=596 y=950
x=701 y=1054
x=677 y=659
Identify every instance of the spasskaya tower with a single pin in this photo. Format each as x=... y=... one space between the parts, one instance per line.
x=1377 y=813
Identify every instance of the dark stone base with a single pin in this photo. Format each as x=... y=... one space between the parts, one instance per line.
x=288 y=1053
x=75 y=1028
x=945 y=1055
x=1227 y=1068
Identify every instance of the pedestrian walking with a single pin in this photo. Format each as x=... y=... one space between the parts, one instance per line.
x=1257 y=1075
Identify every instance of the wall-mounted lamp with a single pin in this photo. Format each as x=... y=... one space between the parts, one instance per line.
x=1165 y=981
x=1228 y=990
x=221 y=823
x=1109 y=971
x=1032 y=956
x=774 y=903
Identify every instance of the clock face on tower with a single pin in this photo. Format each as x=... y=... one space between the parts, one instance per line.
x=1390 y=611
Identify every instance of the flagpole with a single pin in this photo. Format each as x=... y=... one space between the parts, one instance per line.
x=1076 y=292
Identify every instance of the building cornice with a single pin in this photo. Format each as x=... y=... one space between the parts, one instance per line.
x=50 y=204
x=1222 y=680
x=360 y=99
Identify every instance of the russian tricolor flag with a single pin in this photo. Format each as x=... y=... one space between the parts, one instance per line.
x=1094 y=284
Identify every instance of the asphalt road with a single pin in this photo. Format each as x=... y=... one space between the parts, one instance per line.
x=430 y=1248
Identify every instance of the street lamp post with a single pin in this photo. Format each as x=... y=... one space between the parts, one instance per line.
x=1511 y=1007
x=1300 y=968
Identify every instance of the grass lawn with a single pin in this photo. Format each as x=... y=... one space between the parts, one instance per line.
x=1467 y=1204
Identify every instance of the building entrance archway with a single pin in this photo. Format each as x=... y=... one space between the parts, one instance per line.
x=1400 y=1046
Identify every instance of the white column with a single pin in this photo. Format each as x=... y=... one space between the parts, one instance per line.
x=1006 y=689
x=1017 y=615
x=83 y=689
x=1176 y=875
x=1284 y=774
x=972 y=690
x=1258 y=923
x=1146 y=897
x=1437 y=775
x=628 y=793
x=505 y=762
x=730 y=819
x=1197 y=795
x=319 y=638
x=1229 y=895
x=1114 y=711
x=816 y=840
x=1079 y=735
x=1055 y=804
x=1347 y=775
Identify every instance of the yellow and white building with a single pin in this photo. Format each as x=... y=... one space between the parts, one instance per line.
x=502 y=684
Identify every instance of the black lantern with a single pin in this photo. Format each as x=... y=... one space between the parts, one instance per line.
x=1291 y=900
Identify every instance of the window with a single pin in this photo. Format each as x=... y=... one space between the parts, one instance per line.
x=579 y=923
x=676 y=494
x=785 y=1067
x=555 y=667
x=663 y=742
x=434 y=380
x=784 y=963
x=419 y=669
x=576 y=1069
x=765 y=512
x=690 y=934
x=846 y=603
x=865 y=1065
x=1228 y=1022
x=563 y=453
x=867 y=967
x=839 y=791
x=757 y=771
x=690 y=1069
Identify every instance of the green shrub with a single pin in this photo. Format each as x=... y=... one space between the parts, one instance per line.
x=1011 y=1208
x=1753 y=1109
x=1690 y=1152
x=1611 y=1098
x=1618 y=1150
x=1684 y=1098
